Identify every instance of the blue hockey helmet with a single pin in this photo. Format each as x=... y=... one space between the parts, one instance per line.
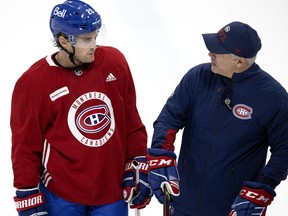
x=73 y=18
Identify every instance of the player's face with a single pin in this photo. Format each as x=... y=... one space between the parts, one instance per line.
x=85 y=47
x=224 y=64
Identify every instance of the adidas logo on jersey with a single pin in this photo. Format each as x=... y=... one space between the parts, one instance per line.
x=110 y=78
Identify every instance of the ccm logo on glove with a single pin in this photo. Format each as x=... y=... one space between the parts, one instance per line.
x=32 y=201
x=258 y=196
x=161 y=162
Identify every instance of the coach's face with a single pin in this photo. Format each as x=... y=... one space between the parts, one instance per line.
x=226 y=64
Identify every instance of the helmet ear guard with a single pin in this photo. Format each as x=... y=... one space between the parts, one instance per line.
x=72 y=39
x=73 y=18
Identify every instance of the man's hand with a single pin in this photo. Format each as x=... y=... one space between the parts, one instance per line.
x=253 y=200
x=163 y=173
x=30 y=202
x=138 y=195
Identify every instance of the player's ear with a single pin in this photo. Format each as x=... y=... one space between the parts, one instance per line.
x=63 y=41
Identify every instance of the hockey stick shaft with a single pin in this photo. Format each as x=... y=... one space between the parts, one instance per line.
x=167 y=199
x=135 y=165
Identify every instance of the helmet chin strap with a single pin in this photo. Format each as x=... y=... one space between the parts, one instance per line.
x=71 y=55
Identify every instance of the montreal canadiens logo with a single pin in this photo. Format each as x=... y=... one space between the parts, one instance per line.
x=242 y=111
x=91 y=119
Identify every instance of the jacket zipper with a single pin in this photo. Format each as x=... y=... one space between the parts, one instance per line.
x=216 y=100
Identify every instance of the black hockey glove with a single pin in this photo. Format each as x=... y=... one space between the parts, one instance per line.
x=30 y=202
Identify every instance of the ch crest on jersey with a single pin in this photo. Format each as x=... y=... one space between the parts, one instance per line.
x=91 y=119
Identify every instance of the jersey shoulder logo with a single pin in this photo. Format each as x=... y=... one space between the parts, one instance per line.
x=242 y=111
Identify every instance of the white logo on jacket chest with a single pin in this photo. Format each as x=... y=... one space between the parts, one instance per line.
x=91 y=119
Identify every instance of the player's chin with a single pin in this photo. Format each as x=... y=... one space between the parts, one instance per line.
x=89 y=59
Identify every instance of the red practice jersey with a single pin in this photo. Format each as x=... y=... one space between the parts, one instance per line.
x=75 y=129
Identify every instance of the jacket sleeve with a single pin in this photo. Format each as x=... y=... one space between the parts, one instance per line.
x=277 y=132
x=173 y=116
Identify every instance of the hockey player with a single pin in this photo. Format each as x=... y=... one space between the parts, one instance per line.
x=75 y=126
x=232 y=111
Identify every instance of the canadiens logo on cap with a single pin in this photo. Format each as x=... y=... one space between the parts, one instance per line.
x=242 y=111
